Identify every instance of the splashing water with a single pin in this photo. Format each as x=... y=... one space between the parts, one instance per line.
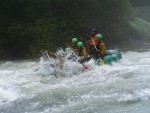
x=123 y=87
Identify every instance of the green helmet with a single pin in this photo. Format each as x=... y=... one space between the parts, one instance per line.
x=79 y=44
x=68 y=49
x=99 y=36
x=74 y=40
x=60 y=52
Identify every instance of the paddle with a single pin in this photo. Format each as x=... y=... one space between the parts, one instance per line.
x=47 y=56
x=101 y=61
x=85 y=67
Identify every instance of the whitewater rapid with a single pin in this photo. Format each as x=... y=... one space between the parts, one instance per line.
x=123 y=87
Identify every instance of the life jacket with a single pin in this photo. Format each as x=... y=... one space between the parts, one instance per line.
x=90 y=42
x=83 y=53
x=101 y=46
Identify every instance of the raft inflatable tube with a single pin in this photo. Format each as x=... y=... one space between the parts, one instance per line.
x=112 y=56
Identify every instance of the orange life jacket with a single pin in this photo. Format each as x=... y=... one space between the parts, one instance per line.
x=90 y=42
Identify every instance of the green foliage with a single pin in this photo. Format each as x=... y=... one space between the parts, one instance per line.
x=27 y=26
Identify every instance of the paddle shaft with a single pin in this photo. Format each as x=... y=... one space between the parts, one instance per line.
x=48 y=56
x=94 y=43
x=96 y=50
x=77 y=58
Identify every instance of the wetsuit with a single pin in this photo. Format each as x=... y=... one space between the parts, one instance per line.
x=100 y=49
x=83 y=54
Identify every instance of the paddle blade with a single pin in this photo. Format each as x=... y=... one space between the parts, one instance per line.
x=102 y=62
x=86 y=67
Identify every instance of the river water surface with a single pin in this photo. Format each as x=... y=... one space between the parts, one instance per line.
x=123 y=87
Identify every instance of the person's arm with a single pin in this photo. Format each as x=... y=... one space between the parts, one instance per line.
x=73 y=49
x=102 y=46
x=52 y=54
x=88 y=40
x=84 y=54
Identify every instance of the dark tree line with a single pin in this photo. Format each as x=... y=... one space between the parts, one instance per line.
x=27 y=26
x=140 y=2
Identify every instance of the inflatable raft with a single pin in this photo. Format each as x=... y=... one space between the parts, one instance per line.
x=109 y=57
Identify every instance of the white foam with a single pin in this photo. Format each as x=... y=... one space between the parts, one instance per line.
x=124 y=81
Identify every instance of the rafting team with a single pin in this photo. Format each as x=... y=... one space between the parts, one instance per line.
x=96 y=49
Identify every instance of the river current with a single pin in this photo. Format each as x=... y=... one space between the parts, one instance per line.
x=123 y=87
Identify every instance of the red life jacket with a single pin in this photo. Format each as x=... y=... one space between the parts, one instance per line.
x=90 y=42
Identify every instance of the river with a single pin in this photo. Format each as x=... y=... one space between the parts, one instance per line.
x=123 y=87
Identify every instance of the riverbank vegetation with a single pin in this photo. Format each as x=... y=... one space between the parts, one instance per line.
x=28 y=26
